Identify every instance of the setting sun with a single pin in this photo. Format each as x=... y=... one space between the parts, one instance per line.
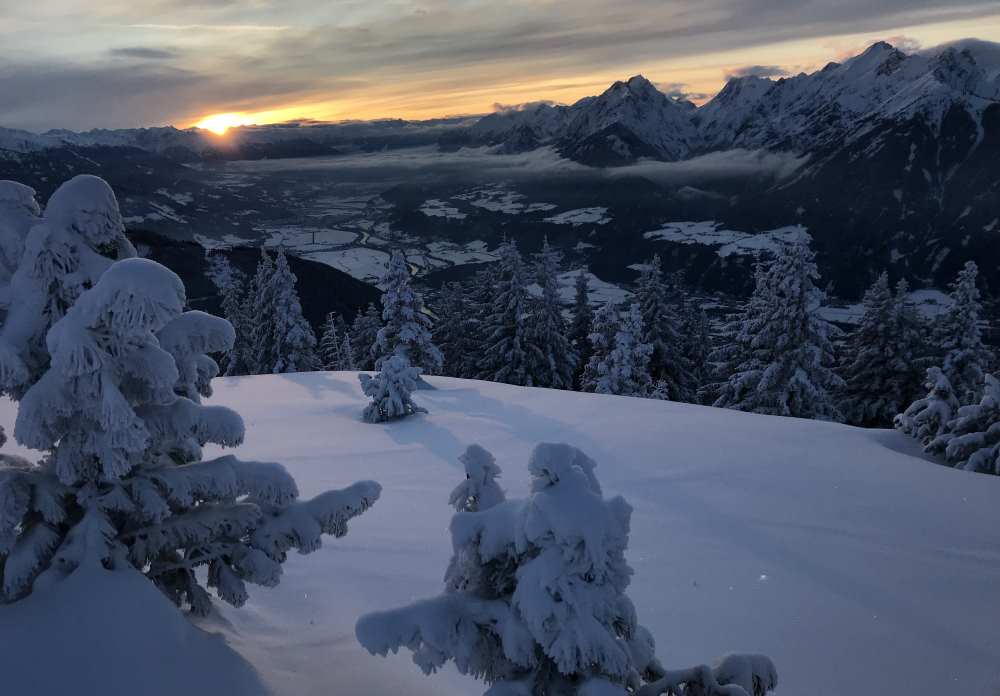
x=220 y=123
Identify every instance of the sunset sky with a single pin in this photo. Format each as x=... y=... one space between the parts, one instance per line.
x=121 y=63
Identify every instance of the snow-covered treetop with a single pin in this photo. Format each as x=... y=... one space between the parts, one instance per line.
x=87 y=205
x=479 y=490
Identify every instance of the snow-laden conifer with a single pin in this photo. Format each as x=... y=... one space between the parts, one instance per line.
x=507 y=340
x=552 y=358
x=19 y=212
x=581 y=324
x=232 y=286
x=881 y=361
x=80 y=235
x=364 y=332
x=347 y=353
x=479 y=490
x=779 y=350
x=406 y=329
x=663 y=327
x=118 y=413
x=293 y=340
x=602 y=342
x=927 y=418
x=535 y=599
x=625 y=370
x=959 y=336
x=331 y=343
x=391 y=390
x=971 y=441
x=453 y=331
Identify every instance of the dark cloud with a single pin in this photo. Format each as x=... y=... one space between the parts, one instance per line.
x=757 y=71
x=679 y=90
x=144 y=53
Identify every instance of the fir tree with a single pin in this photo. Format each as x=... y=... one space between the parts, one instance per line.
x=602 y=342
x=452 y=330
x=535 y=599
x=971 y=441
x=625 y=370
x=405 y=328
x=364 y=331
x=507 y=339
x=582 y=324
x=880 y=363
x=66 y=252
x=259 y=306
x=780 y=349
x=966 y=359
x=331 y=344
x=347 y=353
x=293 y=339
x=391 y=390
x=663 y=326
x=232 y=286
x=552 y=358
x=123 y=484
x=695 y=346
x=927 y=418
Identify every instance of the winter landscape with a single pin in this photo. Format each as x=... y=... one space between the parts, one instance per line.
x=335 y=360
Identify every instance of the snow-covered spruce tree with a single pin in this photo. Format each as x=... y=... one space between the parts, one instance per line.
x=347 y=353
x=536 y=602
x=782 y=346
x=405 y=330
x=259 y=306
x=958 y=335
x=505 y=328
x=581 y=325
x=479 y=490
x=330 y=352
x=19 y=212
x=971 y=441
x=80 y=235
x=293 y=340
x=552 y=358
x=123 y=484
x=602 y=342
x=625 y=370
x=928 y=418
x=880 y=362
x=232 y=286
x=364 y=332
x=452 y=330
x=696 y=346
x=391 y=390
x=663 y=327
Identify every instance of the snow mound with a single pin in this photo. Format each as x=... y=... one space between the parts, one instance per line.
x=114 y=633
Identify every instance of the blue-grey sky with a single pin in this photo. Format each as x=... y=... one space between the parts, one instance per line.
x=118 y=63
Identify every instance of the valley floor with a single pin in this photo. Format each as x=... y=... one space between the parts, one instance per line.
x=855 y=564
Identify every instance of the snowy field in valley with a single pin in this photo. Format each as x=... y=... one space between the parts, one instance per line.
x=856 y=565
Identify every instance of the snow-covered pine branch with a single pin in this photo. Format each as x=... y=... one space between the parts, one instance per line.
x=535 y=598
x=927 y=418
x=65 y=252
x=391 y=390
x=971 y=441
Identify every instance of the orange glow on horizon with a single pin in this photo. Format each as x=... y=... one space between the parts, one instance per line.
x=220 y=123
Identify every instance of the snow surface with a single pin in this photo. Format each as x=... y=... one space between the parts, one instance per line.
x=730 y=242
x=581 y=216
x=855 y=564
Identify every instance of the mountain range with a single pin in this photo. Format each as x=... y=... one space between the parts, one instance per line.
x=894 y=155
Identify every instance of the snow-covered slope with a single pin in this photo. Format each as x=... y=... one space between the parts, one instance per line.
x=857 y=566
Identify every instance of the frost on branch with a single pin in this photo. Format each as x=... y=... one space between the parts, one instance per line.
x=536 y=602
x=391 y=391
x=927 y=418
x=114 y=401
